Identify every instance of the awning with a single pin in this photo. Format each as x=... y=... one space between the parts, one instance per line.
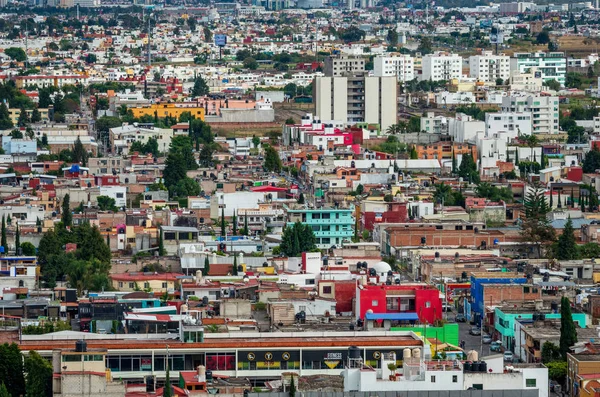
x=392 y=316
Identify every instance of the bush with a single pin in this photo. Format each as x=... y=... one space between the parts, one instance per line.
x=260 y=306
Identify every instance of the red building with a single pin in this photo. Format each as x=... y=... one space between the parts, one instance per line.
x=396 y=213
x=422 y=299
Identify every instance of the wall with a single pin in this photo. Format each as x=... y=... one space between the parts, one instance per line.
x=235 y=308
x=242 y=116
x=446 y=334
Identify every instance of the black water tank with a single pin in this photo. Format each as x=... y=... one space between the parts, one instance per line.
x=482 y=366
x=468 y=367
x=208 y=374
x=80 y=346
x=353 y=352
x=476 y=367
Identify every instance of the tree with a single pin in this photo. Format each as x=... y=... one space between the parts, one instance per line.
x=207 y=34
x=3 y=241
x=223 y=232
x=290 y=90
x=174 y=170
x=272 y=161
x=106 y=203
x=250 y=63
x=23 y=117
x=425 y=46
x=11 y=369
x=66 y=216
x=234 y=222
x=235 y=266
x=5 y=121
x=38 y=382
x=17 y=239
x=552 y=84
x=16 y=54
x=36 y=116
x=246 y=230
x=183 y=145
x=557 y=371
x=550 y=352
x=566 y=246
x=255 y=141
x=206 y=269
x=360 y=189
x=200 y=87
x=27 y=249
x=536 y=227
x=296 y=239
x=79 y=153
x=168 y=390
x=205 y=158
x=468 y=169
x=543 y=37
x=161 y=244
x=3 y=391
x=392 y=37
x=568 y=334
x=186 y=187
x=301 y=198
x=292 y=387
x=592 y=160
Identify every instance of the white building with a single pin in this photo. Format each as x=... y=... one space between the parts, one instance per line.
x=118 y=193
x=357 y=99
x=489 y=67
x=551 y=65
x=401 y=66
x=543 y=109
x=122 y=137
x=513 y=124
x=464 y=128
x=441 y=66
x=526 y=81
x=434 y=124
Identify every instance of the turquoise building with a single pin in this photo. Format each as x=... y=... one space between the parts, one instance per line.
x=331 y=226
x=504 y=323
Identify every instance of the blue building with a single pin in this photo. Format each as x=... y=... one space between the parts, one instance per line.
x=331 y=226
x=474 y=311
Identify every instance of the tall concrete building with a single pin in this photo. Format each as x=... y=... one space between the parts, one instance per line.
x=549 y=65
x=342 y=65
x=489 y=67
x=357 y=99
x=441 y=66
x=543 y=109
x=401 y=66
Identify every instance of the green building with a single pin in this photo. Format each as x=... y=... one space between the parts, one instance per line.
x=331 y=226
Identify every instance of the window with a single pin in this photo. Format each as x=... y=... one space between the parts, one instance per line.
x=327 y=289
x=302 y=308
x=120 y=284
x=478 y=386
x=454 y=378
x=530 y=383
x=526 y=290
x=427 y=304
x=375 y=303
x=432 y=378
x=131 y=285
x=146 y=285
x=119 y=195
x=164 y=285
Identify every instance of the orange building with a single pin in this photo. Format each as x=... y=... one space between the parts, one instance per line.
x=444 y=150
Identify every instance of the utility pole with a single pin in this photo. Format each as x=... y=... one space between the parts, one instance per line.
x=26 y=48
x=149 y=41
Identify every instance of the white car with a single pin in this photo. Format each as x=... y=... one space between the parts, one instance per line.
x=508 y=356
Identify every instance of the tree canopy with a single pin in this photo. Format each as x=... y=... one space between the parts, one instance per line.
x=297 y=239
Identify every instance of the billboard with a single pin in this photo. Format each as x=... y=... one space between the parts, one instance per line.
x=221 y=40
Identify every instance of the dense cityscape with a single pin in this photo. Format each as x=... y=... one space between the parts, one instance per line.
x=299 y=198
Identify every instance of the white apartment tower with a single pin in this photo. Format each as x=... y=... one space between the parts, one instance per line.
x=357 y=99
x=441 y=66
x=543 y=109
x=401 y=66
x=489 y=67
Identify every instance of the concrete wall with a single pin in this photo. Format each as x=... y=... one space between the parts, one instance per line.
x=242 y=116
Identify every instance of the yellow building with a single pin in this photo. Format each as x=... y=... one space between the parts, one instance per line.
x=15 y=113
x=129 y=282
x=169 y=109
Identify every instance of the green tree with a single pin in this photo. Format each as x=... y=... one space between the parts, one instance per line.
x=80 y=155
x=16 y=54
x=183 y=145
x=592 y=160
x=17 y=239
x=536 y=227
x=543 y=37
x=38 y=382
x=392 y=37
x=566 y=246
x=425 y=46
x=246 y=230
x=568 y=333
x=66 y=216
x=36 y=116
x=206 y=269
x=223 y=231
x=5 y=121
x=174 y=171
x=272 y=161
x=168 y=390
x=3 y=391
x=234 y=223
x=557 y=371
x=552 y=84
x=468 y=169
x=106 y=203
x=235 y=266
x=186 y=187
x=360 y=189
x=200 y=87
x=3 y=238
x=11 y=369
x=296 y=239
x=161 y=244
x=301 y=198
x=255 y=141
x=27 y=249
x=550 y=352
x=292 y=387
x=23 y=117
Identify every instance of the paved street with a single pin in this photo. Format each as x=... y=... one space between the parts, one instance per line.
x=471 y=342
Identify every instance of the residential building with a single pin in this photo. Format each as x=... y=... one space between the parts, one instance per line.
x=514 y=124
x=401 y=66
x=343 y=65
x=357 y=99
x=162 y=110
x=433 y=124
x=526 y=81
x=488 y=289
x=489 y=67
x=122 y=137
x=331 y=226
x=583 y=369
x=549 y=65
x=15 y=113
x=441 y=66
x=544 y=111
x=57 y=81
x=130 y=282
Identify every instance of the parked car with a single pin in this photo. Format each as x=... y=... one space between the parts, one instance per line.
x=486 y=339
x=508 y=356
x=496 y=346
x=475 y=331
x=460 y=318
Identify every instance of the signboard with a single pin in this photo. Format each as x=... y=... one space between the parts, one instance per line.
x=146 y=364
x=221 y=40
x=496 y=38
